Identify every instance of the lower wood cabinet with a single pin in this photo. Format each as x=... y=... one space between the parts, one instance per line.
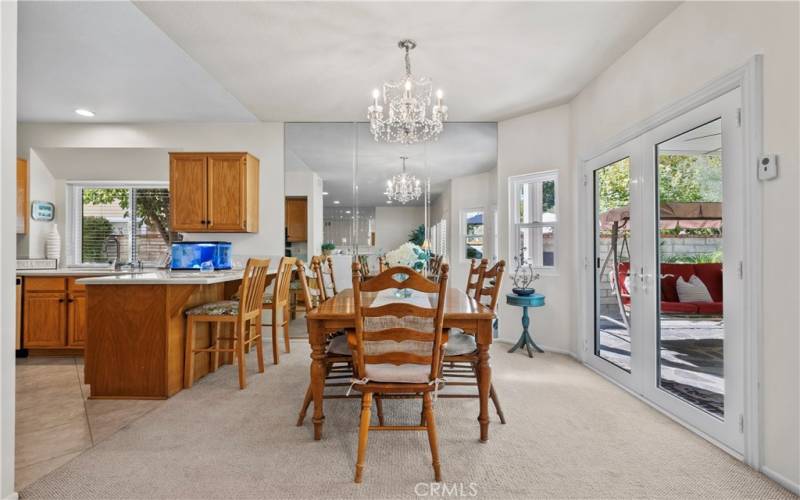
x=54 y=313
x=45 y=319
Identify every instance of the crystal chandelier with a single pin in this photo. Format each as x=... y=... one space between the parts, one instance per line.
x=407 y=101
x=403 y=187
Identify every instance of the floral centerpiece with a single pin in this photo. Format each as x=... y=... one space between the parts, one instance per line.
x=410 y=255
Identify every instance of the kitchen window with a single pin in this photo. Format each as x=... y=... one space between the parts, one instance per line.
x=472 y=234
x=533 y=214
x=118 y=222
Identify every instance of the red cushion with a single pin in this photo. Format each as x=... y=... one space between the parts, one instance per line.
x=624 y=267
x=678 y=307
x=670 y=274
x=711 y=276
x=707 y=307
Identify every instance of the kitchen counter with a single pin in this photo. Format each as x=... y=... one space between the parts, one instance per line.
x=165 y=278
x=73 y=272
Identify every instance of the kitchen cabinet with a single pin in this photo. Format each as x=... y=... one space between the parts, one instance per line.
x=214 y=192
x=54 y=313
x=22 y=196
x=296 y=214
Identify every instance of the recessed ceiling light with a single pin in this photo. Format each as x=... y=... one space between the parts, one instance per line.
x=388 y=202
x=335 y=202
x=347 y=211
x=324 y=193
x=84 y=112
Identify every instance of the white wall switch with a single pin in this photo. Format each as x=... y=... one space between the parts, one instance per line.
x=767 y=167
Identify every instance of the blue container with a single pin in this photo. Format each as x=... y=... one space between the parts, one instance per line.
x=191 y=254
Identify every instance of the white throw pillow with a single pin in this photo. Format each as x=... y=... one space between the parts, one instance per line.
x=693 y=291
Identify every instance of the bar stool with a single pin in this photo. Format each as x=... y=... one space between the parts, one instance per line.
x=244 y=314
x=279 y=301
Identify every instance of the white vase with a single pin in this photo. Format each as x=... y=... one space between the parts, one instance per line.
x=52 y=247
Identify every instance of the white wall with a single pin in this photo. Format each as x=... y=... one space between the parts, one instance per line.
x=8 y=231
x=42 y=187
x=695 y=44
x=467 y=192
x=264 y=140
x=308 y=184
x=394 y=224
x=534 y=143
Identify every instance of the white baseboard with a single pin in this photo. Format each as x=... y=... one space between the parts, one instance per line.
x=782 y=480
x=544 y=348
x=13 y=496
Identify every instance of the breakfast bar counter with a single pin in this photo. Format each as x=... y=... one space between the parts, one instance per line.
x=136 y=330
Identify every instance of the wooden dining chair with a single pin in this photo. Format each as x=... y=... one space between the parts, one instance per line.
x=474 y=274
x=338 y=359
x=397 y=349
x=314 y=282
x=363 y=260
x=461 y=351
x=327 y=271
x=245 y=316
x=278 y=301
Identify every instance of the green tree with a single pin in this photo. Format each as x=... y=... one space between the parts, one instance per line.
x=152 y=205
x=95 y=232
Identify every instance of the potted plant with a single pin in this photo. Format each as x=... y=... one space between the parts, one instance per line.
x=328 y=248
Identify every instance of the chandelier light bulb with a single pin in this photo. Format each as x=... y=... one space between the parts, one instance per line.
x=375 y=94
x=439 y=94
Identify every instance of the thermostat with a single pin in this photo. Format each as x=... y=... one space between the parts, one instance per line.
x=767 y=167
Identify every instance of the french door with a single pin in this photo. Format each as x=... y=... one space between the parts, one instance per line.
x=666 y=253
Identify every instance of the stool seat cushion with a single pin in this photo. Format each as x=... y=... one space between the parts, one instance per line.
x=459 y=343
x=221 y=308
x=407 y=373
x=338 y=345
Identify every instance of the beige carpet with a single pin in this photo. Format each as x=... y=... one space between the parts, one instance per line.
x=570 y=434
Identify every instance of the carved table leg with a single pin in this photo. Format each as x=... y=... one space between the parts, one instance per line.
x=316 y=337
x=484 y=339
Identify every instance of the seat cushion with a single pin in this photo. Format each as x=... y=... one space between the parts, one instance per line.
x=459 y=343
x=678 y=308
x=221 y=308
x=710 y=308
x=406 y=373
x=692 y=290
x=338 y=345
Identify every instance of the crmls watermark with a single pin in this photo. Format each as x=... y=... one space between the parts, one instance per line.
x=446 y=489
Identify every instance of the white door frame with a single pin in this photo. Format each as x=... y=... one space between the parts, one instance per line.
x=749 y=79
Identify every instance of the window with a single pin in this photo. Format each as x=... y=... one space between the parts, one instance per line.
x=126 y=223
x=472 y=234
x=439 y=237
x=534 y=218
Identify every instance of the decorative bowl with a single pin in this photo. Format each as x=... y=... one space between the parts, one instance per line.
x=523 y=292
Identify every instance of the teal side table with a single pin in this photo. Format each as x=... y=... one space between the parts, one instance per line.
x=533 y=300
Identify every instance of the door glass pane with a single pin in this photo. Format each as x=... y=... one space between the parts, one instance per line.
x=612 y=263
x=691 y=328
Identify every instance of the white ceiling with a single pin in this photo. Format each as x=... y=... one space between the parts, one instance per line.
x=110 y=58
x=307 y=61
x=327 y=149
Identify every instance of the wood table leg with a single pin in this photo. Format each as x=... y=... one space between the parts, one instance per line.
x=316 y=337
x=483 y=338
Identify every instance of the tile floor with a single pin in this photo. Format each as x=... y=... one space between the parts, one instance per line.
x=55 y=420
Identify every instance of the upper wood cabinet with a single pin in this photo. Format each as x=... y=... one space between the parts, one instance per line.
x=22 y=196
x=296 y=210
x=214 y=192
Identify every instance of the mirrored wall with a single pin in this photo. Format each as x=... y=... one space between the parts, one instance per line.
x=372 y=197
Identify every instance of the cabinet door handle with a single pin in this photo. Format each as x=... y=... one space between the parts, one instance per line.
x=60 y=301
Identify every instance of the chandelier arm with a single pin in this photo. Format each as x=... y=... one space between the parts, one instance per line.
x=408 y=62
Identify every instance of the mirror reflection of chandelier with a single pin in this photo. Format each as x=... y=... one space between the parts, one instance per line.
x=407 y=101
x=403 y=187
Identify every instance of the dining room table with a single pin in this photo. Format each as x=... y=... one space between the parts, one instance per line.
x=460 y=311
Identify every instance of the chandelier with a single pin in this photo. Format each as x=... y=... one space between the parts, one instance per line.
x=407 y=101
x=403 y=187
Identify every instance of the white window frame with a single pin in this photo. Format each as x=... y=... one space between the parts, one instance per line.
x=74 y=206
x=514 y=184
x=462 y=224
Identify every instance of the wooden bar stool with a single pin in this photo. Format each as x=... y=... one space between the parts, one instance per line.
x=279 y=301
x=244 y=314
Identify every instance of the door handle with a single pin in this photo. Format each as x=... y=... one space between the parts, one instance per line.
x=644 y=278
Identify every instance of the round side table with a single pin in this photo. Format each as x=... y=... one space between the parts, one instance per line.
x=526 y=301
